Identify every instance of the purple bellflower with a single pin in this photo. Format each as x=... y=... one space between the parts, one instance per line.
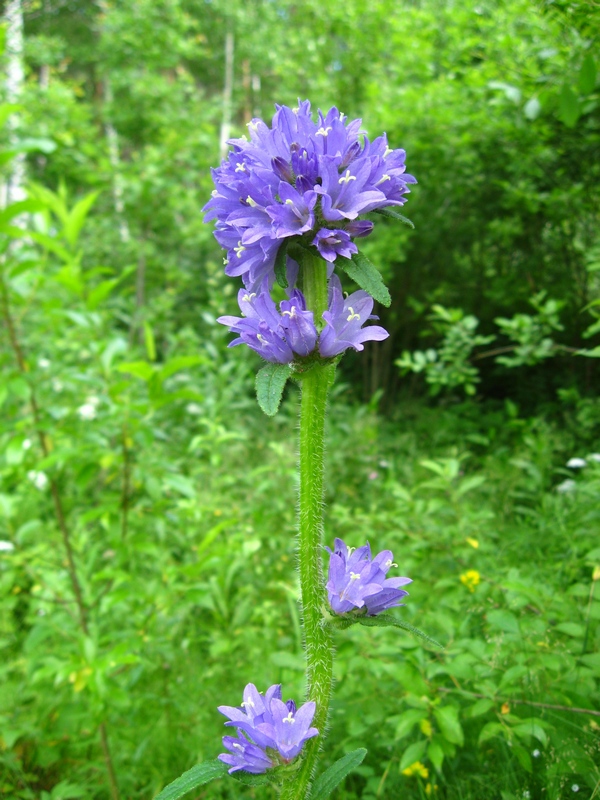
x=281 y=337
x=301 y=178
x=355 y=581
x=277 y=337
x=344 y=320
x=269 y=731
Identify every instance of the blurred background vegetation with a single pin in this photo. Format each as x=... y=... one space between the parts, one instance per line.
x=147 y=507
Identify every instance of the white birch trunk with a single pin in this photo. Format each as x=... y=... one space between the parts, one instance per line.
x=112 y=138
x=13 y=190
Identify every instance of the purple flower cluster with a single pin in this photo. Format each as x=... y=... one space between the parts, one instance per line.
x=301 y=178
x=269 y=731
x=357 y=581
x=280 y=337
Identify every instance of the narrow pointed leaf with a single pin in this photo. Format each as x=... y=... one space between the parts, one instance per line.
x=568 y=107
x=269 y=386
x=389 y=212
x=280 y=265
x=194 y=777
x=332 y=777
x=587 y=75
x=383 y=620
x=367 y=276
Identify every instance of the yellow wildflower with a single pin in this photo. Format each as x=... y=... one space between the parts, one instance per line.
x=416 y=769
x=471 y=578
x=473 y=542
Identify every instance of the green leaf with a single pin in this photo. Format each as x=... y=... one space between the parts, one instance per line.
x=194 y=777
x=21 y=207
x=269 y=386
x=385 y=620
x=366 y=275
x=280 y=265
x=141 y=369
x=332 y=777
x=450 y=727
x=389 y=212
x=568 y=107
x=77 y=217
x=178 y=363
x=414 y=752
x=587 y=75
x=435 y=754
x=149 y=340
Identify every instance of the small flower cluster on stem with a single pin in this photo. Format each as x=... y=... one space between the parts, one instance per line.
x=270 y=732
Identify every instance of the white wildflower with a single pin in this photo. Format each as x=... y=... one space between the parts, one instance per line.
x=566 y=487
x=57 y=386
x=87 y=411
x=595 y=457
x=43 y=363
x=576 y=463
x=26 y=444
x=536 y=754
x=6 y=547
x=193 y=408
x=575 y=788
x=39 y=479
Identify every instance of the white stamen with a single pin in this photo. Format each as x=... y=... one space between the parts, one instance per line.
x=354 y=576
x=347 y=177
x=387 y=151
x=252 y=203
x=247 y=298
x=290 y=314
x=214 y=193
x=289 y=718
x=390 y=563
x=262 y=339
x=253 y=126
x=295 y=110
x=249 y=702
x=383 y=179
x=323 y=131
x=239 y=249
x=289 y=202
x=225 y=261
x=352 y=315
x=237 y=746
x=240 y=167
x=350 y=549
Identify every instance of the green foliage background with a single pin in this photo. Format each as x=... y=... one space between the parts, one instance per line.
x=178 y=495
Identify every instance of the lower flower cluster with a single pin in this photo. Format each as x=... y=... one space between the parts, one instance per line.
x=269 y=732
x=355 y=581
x=281 y=336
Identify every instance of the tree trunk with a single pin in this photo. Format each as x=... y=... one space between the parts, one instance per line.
x=13 y=190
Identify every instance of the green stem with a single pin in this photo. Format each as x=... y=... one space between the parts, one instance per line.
x=317 y=638
x=314 y=285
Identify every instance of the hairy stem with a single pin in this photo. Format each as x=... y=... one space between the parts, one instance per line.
x=317 y=639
